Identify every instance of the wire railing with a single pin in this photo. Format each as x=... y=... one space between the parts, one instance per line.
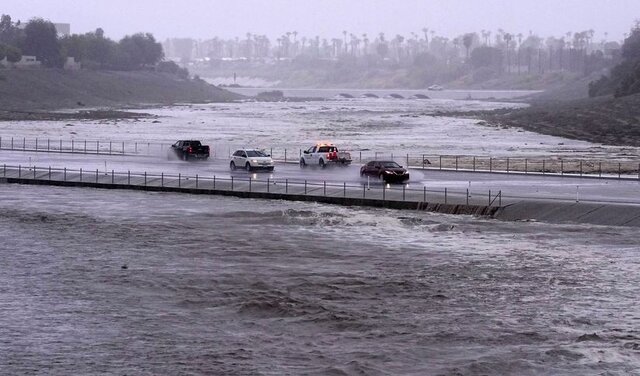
x=376 y=191
x=621 y=169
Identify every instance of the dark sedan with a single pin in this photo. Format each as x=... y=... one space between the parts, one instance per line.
x=388 y=171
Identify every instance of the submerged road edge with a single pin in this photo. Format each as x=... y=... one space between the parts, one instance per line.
x=523 y=211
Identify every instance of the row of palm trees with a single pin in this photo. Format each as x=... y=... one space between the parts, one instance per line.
x=399 y=49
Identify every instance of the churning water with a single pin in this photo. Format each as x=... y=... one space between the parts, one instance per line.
x=98 y=281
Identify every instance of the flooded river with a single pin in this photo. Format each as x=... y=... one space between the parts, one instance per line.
x=118 y=282
x=134 y=283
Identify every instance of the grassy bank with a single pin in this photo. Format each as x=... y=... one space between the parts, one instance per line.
x=51 y=89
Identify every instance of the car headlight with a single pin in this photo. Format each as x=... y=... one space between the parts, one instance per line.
x=388 y=172
x=254 y=161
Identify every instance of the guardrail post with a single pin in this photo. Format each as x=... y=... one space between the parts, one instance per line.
x=196 y=181
x=34 y=172
x=424 y=193
x=110 y=147
x=360 y=160
x=19 y=171
x=24 y=143
x=268 y=185
x=423 y=161
x=507 y=164
x=72 y=145
x=49 y=172
x=526 y=170
x=285 y=155
x=232 y=183
x=404 y=187
x=445 y=195
x=112 y=177
x=85 y=146
x=562 y=167
x=619 y=169
x=65 y=174
x=145 y=178
x=36 y=143
x=305 y=187
x=474 y=163
x=490 y=164
x=128 y=177
x=581 y=167
x=543 y=167
x=60 y=147
x=4 y=170
x=179 y=180
x=214 y=182
x=286 y=185
x=467 y=196
x=489 y=197
x=599 y=169
x=500 y=197
x=364 y=191
x=96 y=175
x=344 y=189
x=249 y=184
x=407 y=160
x=324 y=188
x=48 y=144
x=440 y=162
x=122 y=147
x=80 y=175
x=97 y=147
x=384 y=191
x=456 y=163
x=162 y=179
x=136 y=148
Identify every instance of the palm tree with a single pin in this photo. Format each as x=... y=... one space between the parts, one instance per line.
x=344 y=33
x=467 y=40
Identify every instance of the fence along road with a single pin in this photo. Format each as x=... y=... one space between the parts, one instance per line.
x=442 y=200
x=621 y=169
x=400 y=197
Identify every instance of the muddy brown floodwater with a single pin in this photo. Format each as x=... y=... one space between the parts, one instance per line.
x=97 y=281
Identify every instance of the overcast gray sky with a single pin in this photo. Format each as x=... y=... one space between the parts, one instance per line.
x=230 y=18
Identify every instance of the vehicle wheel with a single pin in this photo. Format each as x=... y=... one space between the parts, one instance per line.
x=232 y=166
x=247 y=166
x=322 y=165
x=302 y=163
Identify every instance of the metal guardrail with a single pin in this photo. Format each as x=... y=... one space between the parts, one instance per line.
x=621 y=169
x=383 y=192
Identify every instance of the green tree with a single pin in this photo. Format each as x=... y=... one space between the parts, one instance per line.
x=485 y=57
x=13 y=54
x=625 y=77
x=41 y=40
x=138 y=51
x=467 y=40
x=9 y=33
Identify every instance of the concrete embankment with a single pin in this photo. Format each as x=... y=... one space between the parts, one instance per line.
x=578 y=212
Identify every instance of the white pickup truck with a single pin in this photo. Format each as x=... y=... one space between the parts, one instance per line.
x=324 y=155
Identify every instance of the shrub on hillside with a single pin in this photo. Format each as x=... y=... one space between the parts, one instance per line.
x=624 y=78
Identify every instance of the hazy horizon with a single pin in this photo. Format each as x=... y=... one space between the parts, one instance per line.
x=203 y=19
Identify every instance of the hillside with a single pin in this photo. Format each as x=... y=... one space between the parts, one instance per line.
x=50 y=89
x=606 y=120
